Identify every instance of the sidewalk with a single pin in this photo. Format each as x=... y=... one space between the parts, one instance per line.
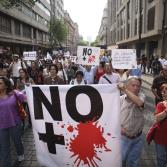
x=148 y=158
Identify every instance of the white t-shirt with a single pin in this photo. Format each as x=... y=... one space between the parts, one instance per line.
x=113 y=78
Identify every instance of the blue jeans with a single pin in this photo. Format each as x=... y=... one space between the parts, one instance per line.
x=131 y=150
x=5 y=134
x=161 y=152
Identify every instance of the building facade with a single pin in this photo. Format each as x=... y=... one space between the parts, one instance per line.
x=137 y=24
x=25 y=28
x=72 y=34
x=104 y=28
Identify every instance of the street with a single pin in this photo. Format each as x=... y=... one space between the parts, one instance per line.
x=148 y=158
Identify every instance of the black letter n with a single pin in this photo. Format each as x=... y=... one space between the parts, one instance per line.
x=53 y=108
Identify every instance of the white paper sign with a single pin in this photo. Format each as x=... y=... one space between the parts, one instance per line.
x=73 y=59
x=30 y=55
x=124 y=59
x=88 y=55
x=67 y=133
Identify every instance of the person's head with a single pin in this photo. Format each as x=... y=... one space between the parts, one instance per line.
x=6 y=72
x=102 y=64
x=5 y=84
x=53 y=69
x=15 y=57
x=164 y=69
x=163 y=90
x=121 y=71
x=60 y=66
x=79 y=76
x=134 y=84
x=108 y=68
x=88 y=67
x=33 y=64
x=23 y=73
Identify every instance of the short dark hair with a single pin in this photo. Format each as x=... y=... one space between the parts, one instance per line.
x=79 y=72
x=55 y=66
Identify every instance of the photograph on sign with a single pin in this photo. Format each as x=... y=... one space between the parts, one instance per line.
x=124 y=59
x=64 y=127
x=88 y=55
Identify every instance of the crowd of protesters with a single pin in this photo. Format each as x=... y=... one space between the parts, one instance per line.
x=16 y=74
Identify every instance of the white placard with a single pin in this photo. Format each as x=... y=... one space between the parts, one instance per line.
x=30 y=55
x=73 y=59
x=88 y=55
x=67 y=133
x=124 y=59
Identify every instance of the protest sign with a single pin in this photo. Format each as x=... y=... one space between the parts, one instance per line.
x=124 y=59
x=76 y=125
x=30 y=55
x=88 y=55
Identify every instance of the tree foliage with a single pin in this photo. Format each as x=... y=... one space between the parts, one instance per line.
x=58 y=32
x=15 y=3
x=83 y=43
x=96 y=42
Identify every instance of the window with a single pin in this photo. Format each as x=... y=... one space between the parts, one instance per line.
x=39 y=35
x=151 y=19
x=26 y=31
x=17 y=27
x=135 y=27
x=5 y=24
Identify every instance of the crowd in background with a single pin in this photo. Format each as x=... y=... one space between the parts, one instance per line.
x=16 y=73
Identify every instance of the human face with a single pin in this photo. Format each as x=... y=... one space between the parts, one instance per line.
x=108 y=69
x=134 y=86
x=79 y=78
x=22 y=73
x=164 y=93
x=53 y=71
x=164 y=72
x=2 y=85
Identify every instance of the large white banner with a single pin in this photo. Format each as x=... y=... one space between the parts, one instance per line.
x=124 y=58
x=87 y=55
x=76 y=125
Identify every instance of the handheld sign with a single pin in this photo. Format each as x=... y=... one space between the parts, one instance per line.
x=30 y=55
x=73 y=59
x=88 y=55
x=124 y=59
x=67 y=133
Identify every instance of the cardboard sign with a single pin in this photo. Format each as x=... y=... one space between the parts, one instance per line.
x=88 y=55
x=124 y=59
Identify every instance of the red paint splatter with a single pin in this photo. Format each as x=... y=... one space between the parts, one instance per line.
x=90 y=137
x=70 y=128
x=62 y=126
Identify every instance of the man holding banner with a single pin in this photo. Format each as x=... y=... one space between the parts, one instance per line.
x=132 y=122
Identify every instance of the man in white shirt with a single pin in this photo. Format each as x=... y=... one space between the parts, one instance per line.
x=15 y=67
x=89 y=73
x=109 y=77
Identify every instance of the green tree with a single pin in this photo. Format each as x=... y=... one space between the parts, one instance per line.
x=58 y=32
x=83 y=43
x=96 y=42
x=15 y=3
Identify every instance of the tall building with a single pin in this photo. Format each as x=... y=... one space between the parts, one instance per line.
x=72 y=34
x=57 y=8
x=136 y=24
x=24 y=28
x=102 y=34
